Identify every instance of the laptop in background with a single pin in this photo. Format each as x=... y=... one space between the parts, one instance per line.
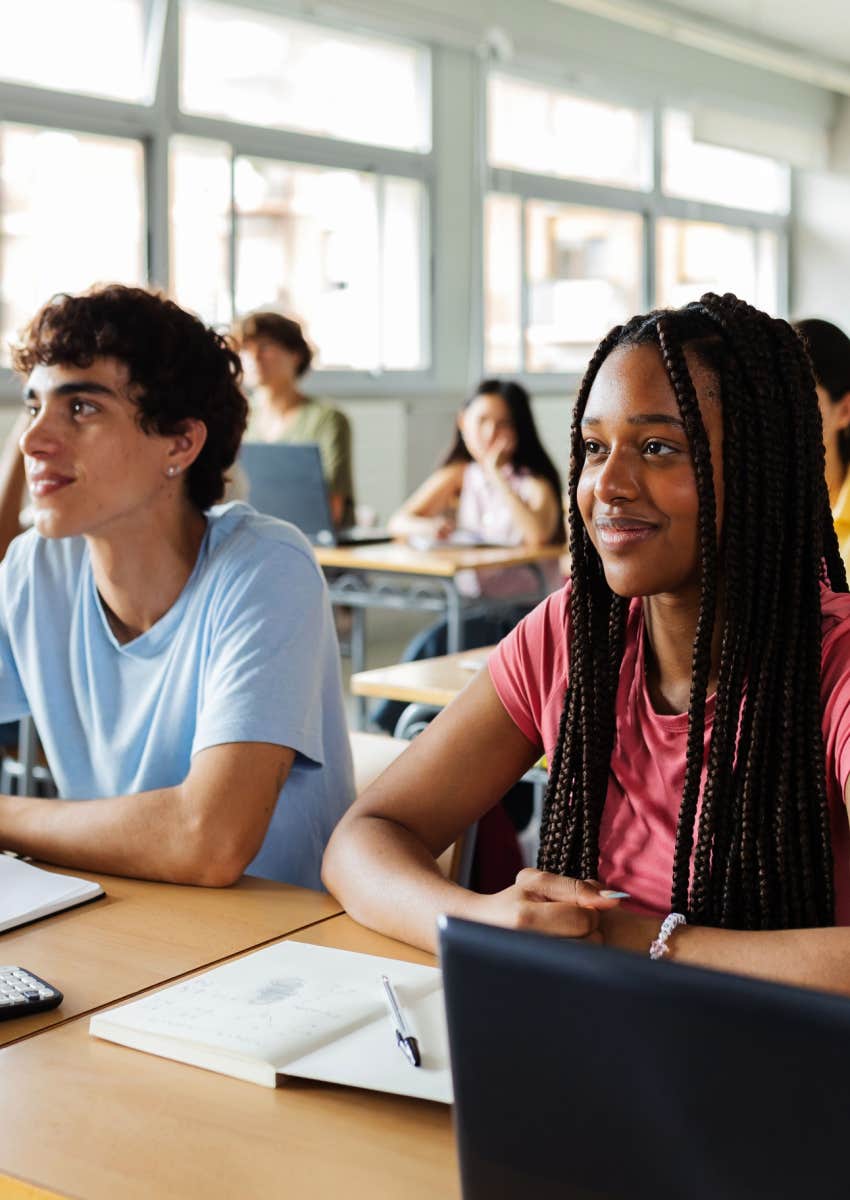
x=286 y=481
x=586 y=1072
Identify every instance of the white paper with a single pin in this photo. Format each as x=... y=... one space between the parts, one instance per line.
x=27 y=892
x=302 y=1010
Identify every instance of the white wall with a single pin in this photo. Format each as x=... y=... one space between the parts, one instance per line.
x=820 y=249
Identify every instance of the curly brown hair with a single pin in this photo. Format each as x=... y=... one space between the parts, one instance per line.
x=181 y=369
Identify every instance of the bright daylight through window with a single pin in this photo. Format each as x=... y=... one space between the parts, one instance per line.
x=573 y=204
x=66 y=238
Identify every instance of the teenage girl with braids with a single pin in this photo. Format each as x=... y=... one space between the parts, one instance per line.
x=829 y=351
x=691 y=685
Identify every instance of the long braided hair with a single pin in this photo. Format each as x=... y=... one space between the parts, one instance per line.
x=753 y=847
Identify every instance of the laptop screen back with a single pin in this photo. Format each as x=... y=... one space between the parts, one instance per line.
x=581 y=1071
x=287 y=482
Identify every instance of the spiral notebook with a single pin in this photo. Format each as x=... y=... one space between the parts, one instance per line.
x=300 y=1010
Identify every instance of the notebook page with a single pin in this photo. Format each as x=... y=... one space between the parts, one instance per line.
x=369 y=1057
x=276 y=1004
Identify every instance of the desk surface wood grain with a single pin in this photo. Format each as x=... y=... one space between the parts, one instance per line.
x=142 y=934
x=93 y=1120
x=399 y=558
x=426 y=681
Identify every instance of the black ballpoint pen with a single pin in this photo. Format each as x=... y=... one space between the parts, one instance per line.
x=404 y=1038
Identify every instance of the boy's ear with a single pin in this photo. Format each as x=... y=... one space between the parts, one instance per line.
x=185 y=445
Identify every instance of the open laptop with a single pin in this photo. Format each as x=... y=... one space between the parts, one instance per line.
x=581 y=1071
x=286 y=481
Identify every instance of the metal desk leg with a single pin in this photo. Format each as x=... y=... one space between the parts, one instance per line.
x=454 y=620
x=358 y=663
x=27 y=743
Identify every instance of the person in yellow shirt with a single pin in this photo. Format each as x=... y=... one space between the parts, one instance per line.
x=829 y=351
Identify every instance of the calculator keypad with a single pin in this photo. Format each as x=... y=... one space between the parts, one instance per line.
x=21 y=992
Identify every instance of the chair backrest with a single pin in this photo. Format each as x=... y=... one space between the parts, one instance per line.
x=372 y=753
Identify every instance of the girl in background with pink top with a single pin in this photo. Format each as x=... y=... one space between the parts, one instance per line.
x=496 y=485
x=691 y=685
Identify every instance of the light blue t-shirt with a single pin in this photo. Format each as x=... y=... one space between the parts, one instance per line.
x=247 y=653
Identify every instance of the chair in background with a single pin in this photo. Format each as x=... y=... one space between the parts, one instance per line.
x=372 y=753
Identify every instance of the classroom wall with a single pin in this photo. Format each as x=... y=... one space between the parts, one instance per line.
x=820 y=247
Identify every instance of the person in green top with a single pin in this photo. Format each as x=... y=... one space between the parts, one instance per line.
x=276 y=352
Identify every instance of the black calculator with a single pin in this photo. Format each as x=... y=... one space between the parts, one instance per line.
x=22 y=993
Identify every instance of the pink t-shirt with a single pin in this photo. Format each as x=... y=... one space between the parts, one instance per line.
x=637 y=835
x=484 y=512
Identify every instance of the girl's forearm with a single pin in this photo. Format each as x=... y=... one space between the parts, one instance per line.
x=816 y=958
x=386 y=879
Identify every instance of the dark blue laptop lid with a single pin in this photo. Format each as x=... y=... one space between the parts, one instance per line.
x=583 y=1071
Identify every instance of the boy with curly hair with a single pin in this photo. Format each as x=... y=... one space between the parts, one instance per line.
x=179 y=659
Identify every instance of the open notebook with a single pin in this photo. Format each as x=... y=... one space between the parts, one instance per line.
x=27 y=892
x=295 y=1009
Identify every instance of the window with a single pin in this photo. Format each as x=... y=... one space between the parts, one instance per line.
x=71 y=215
x=718 y=175
x=93 y=47
x=574 y=198
x=549 y=132
x=341 y=250
x=264 y=69
x=503 y=332
x=200 y=228
x=559 y=271
x=583 y=272
x=696 y=257
x=314 y=227
x=584 y=275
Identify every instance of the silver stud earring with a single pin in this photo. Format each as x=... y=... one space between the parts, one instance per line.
x=172 y=470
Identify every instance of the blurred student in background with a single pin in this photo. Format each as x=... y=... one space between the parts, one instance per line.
x=829 y=351
x=277 y=356
x=496 y=484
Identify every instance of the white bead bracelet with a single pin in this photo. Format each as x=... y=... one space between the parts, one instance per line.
x=670 y=923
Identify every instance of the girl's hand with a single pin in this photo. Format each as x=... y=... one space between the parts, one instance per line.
x=547 y=903
x=499 y=453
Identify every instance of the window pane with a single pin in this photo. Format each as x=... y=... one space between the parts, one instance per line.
x=585 y=274
x=265 y=69
x=549 y=132
x=200 y=228
x=94 y=47
x=71 y=215
x=404 y=315
x=717 y=175
x=308 y=241
x=696 y=257
x=502 y=283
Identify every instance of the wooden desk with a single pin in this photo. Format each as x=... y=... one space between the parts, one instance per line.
x=393 y=575
x=93 y=1120
x=431 y=681
x=142 y=934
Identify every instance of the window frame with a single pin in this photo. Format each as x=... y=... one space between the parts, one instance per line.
x=154 y=123
x=453 y=257
x=651 y=205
